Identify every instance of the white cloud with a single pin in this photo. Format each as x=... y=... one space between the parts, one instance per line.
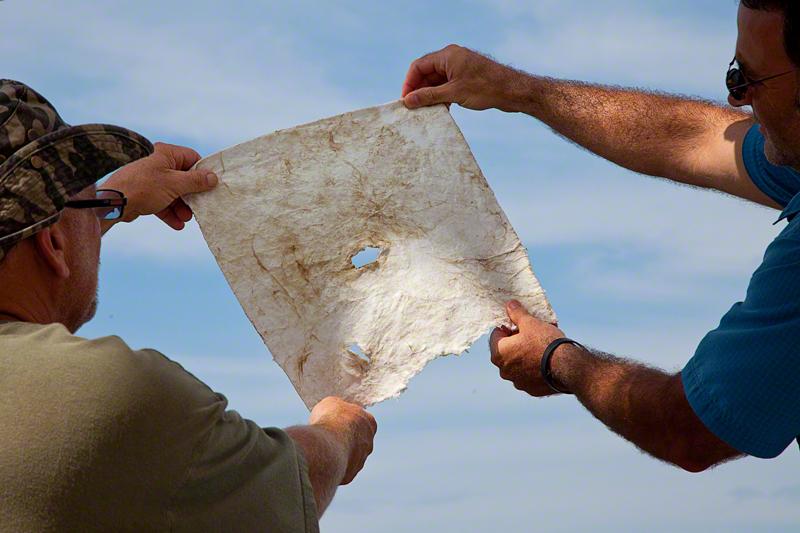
x=213 y=81
x=171 y=76
x=620 y=42
x=668 y=239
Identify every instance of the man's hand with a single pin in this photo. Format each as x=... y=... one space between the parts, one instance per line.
x=155 y=184
x=519 y=355
x=459 y=75
x=335 y=445
x=352 y=426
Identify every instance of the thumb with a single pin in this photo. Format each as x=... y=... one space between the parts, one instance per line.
x=517 y=312
x=192 y=181
x=429 y=96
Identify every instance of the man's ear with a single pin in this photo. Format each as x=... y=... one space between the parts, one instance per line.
x=50 y=244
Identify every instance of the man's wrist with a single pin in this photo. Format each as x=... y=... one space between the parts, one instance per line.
x=565 y=367
x=327 y=447
x=520 y=92
x=341 y=438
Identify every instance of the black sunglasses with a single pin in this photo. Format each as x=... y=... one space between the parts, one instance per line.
x=738 y=84
x=108 y=204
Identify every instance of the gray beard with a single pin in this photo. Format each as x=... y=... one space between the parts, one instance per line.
x=91 y=310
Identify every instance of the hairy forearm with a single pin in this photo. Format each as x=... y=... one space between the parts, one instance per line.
x=644 y=405
x=326 y=460
x=682 y=139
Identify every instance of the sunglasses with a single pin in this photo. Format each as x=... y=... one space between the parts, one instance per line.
x=738 y=84
x=107 y=204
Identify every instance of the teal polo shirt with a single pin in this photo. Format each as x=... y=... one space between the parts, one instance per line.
x=743 y=381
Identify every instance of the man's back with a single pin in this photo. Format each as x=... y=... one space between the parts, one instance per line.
x=98 y=436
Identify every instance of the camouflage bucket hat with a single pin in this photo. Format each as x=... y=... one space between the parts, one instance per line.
x=44 y=161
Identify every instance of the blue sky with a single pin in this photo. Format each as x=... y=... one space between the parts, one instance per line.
x=632 y=265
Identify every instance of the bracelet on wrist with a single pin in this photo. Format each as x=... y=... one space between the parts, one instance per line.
x=547 y=374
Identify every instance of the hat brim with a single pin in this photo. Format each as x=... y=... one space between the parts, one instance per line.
x=37 y=180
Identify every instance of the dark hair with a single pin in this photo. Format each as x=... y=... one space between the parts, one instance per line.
x=791 y=22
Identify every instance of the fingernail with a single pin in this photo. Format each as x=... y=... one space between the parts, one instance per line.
x=211 y=179
x=412 y=99
x=514 y=305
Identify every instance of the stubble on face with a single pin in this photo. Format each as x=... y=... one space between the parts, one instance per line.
x=760 y=46
x=782 y=134
x=81 y=292
x=91 y=309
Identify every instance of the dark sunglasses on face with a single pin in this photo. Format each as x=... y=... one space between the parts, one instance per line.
x=738 y=84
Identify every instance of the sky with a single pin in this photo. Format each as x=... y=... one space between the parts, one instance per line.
x=632 y=265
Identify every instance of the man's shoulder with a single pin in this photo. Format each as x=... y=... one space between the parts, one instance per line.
x=104 y=373
x=126 y=423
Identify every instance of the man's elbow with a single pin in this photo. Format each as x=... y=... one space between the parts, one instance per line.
x=699 y=458
x=695 y=466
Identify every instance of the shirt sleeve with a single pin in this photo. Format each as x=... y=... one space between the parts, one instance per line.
x=248 y=476
x=743 y=381
x=239 y=477
x=224 y=473
x=779 y=183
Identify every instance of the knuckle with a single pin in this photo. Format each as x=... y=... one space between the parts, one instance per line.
x=165 y=148
x=326 y=403
x=189 y=153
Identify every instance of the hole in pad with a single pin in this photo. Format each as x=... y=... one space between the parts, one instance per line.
x=366 y=256
x=355 y=349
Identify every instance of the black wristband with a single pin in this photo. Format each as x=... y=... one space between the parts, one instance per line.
x=547 y=375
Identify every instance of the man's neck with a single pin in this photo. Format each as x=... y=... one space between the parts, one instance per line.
x=31 y=309
x=27 y=293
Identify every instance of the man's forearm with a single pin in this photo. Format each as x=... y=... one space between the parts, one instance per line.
x=326 y=460
x=644 y=405
x=685 y=140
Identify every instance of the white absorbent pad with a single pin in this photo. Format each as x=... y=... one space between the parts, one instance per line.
x=294 y=207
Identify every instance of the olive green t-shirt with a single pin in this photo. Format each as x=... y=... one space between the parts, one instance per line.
x=95 y=436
